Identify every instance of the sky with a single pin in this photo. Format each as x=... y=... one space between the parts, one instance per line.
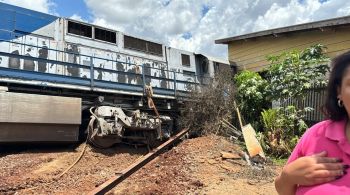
x=191 y=25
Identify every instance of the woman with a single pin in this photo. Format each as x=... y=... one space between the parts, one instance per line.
x=319 y=161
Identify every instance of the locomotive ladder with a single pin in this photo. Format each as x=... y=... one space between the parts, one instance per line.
x=115 y=180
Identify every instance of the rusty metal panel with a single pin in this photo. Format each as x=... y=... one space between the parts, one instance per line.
x=23 y=132
x=31 y=108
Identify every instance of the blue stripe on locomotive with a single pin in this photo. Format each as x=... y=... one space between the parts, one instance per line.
x=26 y=21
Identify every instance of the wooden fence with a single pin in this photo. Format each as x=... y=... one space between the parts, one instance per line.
x=315 y=99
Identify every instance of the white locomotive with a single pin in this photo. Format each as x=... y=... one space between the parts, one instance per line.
x=49 y=55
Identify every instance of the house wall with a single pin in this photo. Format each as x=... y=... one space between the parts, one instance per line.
x=251 y=54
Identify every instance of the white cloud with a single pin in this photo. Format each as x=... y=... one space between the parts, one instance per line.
x=37 y=5
x=102 y=22
x=168 y=21
x=77 y=17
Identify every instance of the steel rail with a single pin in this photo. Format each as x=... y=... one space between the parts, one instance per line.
x=115 y=180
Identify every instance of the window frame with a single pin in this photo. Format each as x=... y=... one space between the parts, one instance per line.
x=79 y=35
x=111 y=31
x=189 y=60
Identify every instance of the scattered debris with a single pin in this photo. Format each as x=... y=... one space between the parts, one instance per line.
x=236 y=162
x=246 y=157
x=211 y=161
x=229 y=155
x=230 y=126
x=226 y=167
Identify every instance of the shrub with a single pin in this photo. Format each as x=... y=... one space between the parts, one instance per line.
x=279 y=136
x=251 y=96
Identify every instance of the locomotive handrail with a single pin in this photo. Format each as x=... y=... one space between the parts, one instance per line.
x=84 y=55
x=173 y=87
x=95 y=57
x=88 y=67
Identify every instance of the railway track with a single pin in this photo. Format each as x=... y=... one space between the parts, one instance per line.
x=114 y=181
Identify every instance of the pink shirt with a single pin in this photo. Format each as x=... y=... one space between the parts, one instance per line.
x=325 y=136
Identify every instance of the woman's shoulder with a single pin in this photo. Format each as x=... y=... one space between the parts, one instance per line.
x=321 y=128
x=317 y=128
x=315 y=139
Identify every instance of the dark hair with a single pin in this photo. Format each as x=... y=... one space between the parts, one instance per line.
x=338 y=67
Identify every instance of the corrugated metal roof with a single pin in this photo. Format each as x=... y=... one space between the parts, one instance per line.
x=300 y=27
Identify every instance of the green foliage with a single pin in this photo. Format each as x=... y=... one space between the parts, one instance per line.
x=250 y=95
x=291 y=74
x=279 y=161
x=270 y=119
x=294 y=119
x=280 y=137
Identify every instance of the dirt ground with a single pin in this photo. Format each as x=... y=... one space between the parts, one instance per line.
x=194 y=166
x=35 y=171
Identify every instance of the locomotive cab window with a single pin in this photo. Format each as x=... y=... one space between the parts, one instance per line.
x=79 y=29
x=185 y=60
x=105 y=35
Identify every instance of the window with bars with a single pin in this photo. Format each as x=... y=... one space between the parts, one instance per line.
x=185 y=60
x=105 y=35
x=142 y=45
x=79 y=29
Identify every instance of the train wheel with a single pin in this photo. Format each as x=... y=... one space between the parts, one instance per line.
x=100 y=141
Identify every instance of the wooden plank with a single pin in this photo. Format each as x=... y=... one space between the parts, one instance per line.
x=253 y=146
x=31 y=108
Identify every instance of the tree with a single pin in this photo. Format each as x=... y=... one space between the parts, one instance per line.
x=250 y=96
x=291 y=74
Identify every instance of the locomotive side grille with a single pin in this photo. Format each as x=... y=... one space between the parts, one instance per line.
x=142 y=45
